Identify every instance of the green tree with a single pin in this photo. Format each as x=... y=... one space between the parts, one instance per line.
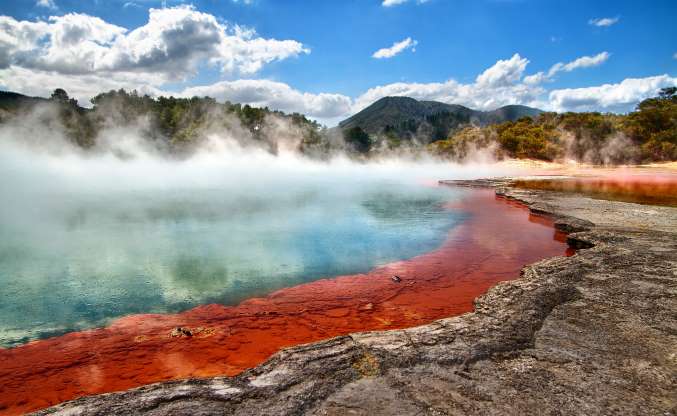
x=60 y=94
x=527 y=138
x=463 y=143
x=358 y=139
x=654 y=125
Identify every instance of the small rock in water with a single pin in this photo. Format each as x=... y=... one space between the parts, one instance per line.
x=180 y=332
x=396 y=278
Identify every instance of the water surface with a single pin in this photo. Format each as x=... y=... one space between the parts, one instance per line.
x=77 y=259
x=493 y=242
x=653 y=189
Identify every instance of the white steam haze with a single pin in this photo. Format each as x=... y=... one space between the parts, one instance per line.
x=35 y=159
x=123 y=159
x=89 y=236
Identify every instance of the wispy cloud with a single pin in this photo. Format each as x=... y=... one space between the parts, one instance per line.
x=582 y=62
x=604 y=21
x=390 y=3
x=49 y=4
x=397 y=48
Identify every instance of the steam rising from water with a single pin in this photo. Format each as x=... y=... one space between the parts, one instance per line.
x=39 y=161
x=87 y=237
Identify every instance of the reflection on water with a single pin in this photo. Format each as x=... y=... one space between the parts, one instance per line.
x=654 y=189
x=75 y=261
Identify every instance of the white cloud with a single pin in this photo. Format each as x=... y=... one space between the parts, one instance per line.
x=622 y=96
x=390 y=3
x=504 y=83
x=81 y=87
x=326 y=107
x=276 y=95
x=497 y=86
x=587 y=61
x=176 y=40
x=582 y=62
x=86 y=55
x=452 y=92
x=674 y=56
x=503 y=72
x=170 y=46
x=49 y=4
x=603 y=21
x=537 y=78
x=397 y=48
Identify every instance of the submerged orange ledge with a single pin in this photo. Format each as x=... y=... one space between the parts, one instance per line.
x=495 y=242
x=654 y=189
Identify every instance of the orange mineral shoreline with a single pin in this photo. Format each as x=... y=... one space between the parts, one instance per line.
x=654 y=189
x=492 y=245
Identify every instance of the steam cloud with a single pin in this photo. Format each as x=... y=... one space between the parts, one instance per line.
x=95 y=206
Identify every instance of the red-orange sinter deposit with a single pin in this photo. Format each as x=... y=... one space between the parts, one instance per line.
x=652 y=189
x=492 y=245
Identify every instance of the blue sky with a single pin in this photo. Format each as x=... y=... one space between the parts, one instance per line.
x=319 y=57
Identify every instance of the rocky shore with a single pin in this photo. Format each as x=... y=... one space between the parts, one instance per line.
x=595 y=333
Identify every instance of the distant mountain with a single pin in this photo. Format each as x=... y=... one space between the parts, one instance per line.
x=13 y=99
x=508 y=113
x=405 y=117
x=12 y=102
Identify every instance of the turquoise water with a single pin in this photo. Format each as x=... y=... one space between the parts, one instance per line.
x=75 y=260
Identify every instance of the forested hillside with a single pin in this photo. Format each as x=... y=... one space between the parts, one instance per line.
x=179 y=126
x=404 y=119
x=173 y=125
x=647 y=134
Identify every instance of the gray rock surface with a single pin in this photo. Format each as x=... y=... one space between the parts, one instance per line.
x=591 y=334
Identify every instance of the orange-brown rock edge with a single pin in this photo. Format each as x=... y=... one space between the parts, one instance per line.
x=497 y=240
x=655 y=189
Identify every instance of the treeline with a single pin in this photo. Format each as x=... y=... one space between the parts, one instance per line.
x=174 y=125
x=178 y=126
x=647 y=134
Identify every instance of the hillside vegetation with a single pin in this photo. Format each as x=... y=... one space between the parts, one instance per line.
x=171 y=125
x=647 y=134
x=391 y=126
x=403 y=120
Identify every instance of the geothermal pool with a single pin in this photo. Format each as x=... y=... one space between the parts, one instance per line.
x=447 y=245
x=73 y=261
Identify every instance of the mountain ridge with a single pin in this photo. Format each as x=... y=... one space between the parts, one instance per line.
x=406 y=117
